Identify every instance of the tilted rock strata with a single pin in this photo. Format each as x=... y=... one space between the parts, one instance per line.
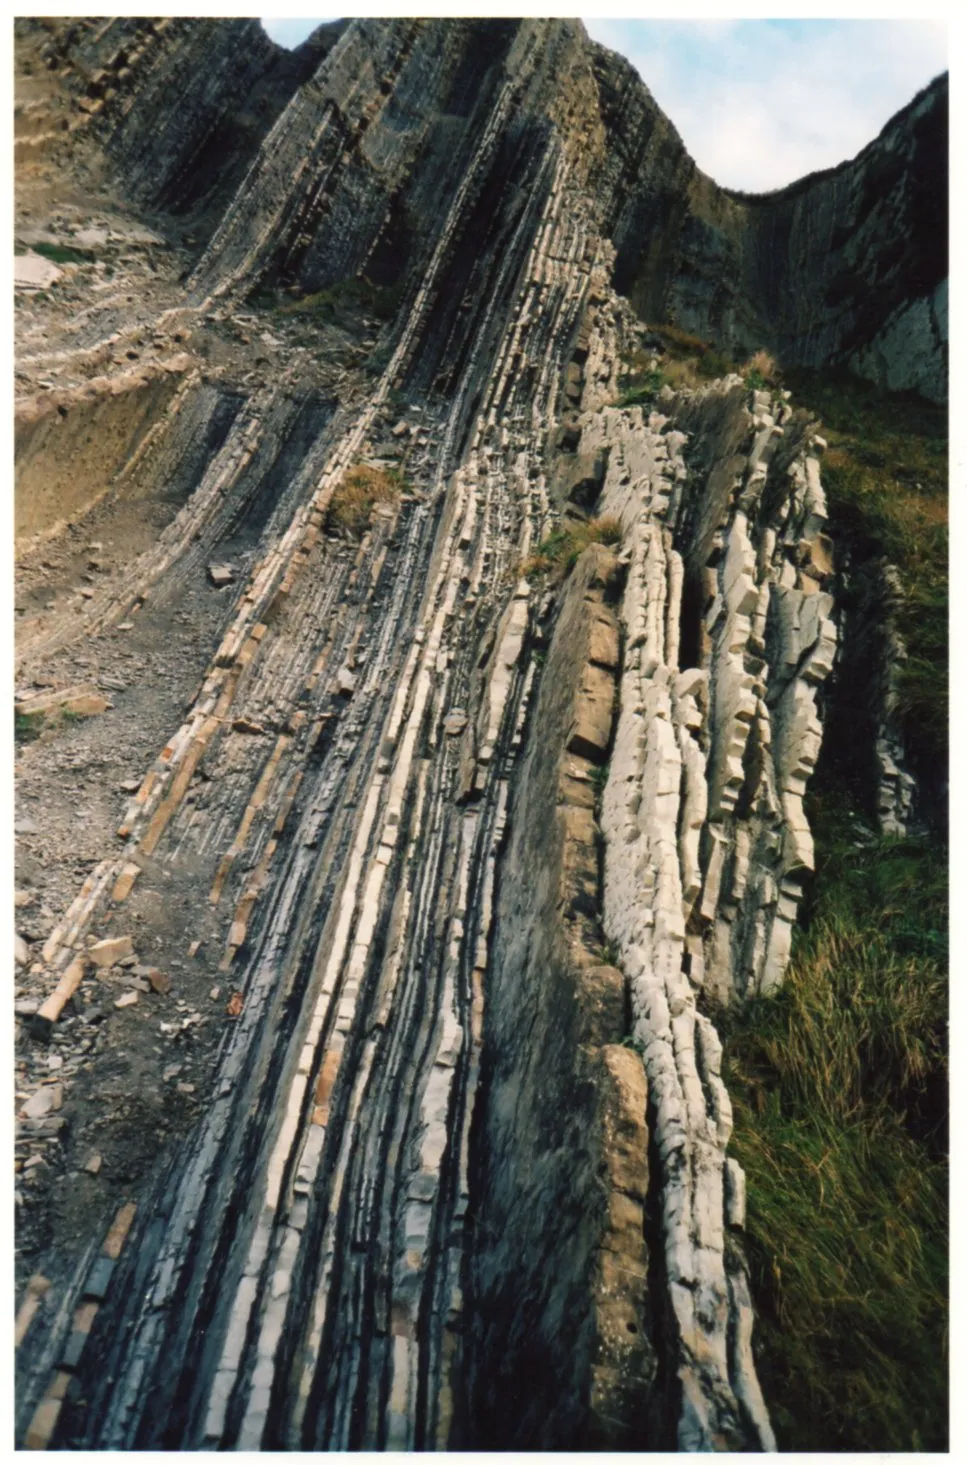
x=418 y=1205
x=353 y=828
x=562 y=1354
x=702 y=813
x=359 y=137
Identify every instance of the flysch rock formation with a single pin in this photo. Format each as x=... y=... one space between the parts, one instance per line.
x=476 y=853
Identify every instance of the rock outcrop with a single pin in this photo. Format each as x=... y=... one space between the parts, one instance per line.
x=469 y=854
x=371 y=129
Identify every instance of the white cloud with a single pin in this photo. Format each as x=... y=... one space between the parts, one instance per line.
x=760 y=103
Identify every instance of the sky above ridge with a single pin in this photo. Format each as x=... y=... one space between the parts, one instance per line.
x=760 y=103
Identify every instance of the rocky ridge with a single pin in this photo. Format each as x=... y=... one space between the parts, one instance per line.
x=395 y=760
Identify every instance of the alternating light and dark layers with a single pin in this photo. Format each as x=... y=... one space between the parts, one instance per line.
x=478 y=843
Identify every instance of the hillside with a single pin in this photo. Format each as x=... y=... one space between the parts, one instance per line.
x=480 y=723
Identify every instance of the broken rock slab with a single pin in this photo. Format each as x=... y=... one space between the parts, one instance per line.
x=43 y=1102
x=83 y=700
x=111 y=950
x=34 y=272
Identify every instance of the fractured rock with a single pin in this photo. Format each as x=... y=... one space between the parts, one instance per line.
x=110 y=950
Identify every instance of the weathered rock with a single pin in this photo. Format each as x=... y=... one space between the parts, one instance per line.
x=110 y=950
x=43 y=1102
x=34 y=272
x=78 y=701
x=363 y=1245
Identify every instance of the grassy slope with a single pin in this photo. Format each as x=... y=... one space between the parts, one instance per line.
x=839 y=1091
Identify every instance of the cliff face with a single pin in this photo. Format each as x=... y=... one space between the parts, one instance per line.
x=472 y=848
x=846 y=267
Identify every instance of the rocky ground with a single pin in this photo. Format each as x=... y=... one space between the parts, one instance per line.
x=131 y=1060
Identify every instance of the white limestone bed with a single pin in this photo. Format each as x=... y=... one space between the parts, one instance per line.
x=706 y=840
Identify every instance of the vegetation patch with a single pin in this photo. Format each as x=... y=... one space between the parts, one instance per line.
x=839 y=1090
x=61 y=254
x=839 y=1082
x=885 y=475
x=26 y=729
x=337 y=303
x=360 y=490
x=560 y=551
x=687 y=362
x=761 y=371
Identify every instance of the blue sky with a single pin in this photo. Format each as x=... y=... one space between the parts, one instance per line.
x=760 y=103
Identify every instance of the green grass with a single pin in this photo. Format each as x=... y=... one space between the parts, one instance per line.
x=26 y=729
x=611 y=956
x=561 y=550
x=640 y=388
x=839 y=1087
x=60 y=254
x=599 y=777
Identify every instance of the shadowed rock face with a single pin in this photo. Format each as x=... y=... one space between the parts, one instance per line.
x=468 y=850
x=845 y=267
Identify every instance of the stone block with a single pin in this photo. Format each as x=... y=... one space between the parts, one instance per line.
x=593 y=714
x=604 y=647
x=111 y=950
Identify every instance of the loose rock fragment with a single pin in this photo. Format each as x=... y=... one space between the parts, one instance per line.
x=111 y=950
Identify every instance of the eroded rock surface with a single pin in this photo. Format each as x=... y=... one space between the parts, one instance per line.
x=405 y=878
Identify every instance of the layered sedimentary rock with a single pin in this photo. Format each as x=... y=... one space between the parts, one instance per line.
x=562 y=1354
x=706 y=837
x=477 y=853
x=845 y=267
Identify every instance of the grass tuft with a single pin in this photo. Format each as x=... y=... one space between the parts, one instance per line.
x=62 y=254
x=27 y=729
x=686 y=362
x=560 y=551
x=761 y=371
x=360 y=490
